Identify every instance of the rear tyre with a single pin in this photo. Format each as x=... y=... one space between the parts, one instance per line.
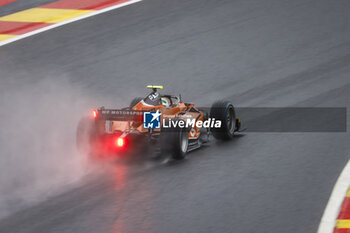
x=175 y=141
x=135 y=101
x=180 y=145
x=86 y=132
x=225 y=112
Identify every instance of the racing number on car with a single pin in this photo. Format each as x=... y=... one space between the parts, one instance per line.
x=153 y=96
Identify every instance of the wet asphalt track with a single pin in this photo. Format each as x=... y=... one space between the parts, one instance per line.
x=273 y=53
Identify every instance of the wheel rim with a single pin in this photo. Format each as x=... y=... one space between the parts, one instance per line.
x=184 y=141
x=231 y=124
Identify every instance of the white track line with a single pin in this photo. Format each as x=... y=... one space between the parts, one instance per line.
x=333 y=207
x=19 y=37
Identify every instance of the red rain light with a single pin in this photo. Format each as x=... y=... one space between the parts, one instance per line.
x=94 y=113
x=119 y=142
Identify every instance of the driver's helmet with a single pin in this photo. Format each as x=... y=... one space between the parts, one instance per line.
x=165 y=102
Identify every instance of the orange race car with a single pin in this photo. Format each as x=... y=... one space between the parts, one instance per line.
x=157 y=123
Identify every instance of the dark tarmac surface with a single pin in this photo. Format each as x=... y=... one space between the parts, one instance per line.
x=256 y=53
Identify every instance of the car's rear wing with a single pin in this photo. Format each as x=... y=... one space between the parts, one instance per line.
x=118 y=115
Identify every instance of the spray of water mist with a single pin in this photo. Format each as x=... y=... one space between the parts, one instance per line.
x=38 y=156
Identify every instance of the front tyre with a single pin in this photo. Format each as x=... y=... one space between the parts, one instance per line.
x=225 y=112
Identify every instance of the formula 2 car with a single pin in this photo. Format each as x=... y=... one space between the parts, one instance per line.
x=160 y=123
